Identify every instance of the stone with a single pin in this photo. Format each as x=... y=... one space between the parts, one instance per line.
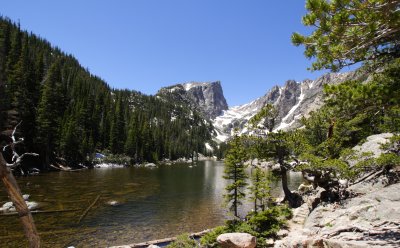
x=26 y=197
x=282 y=233
x=150 y=165
x=7 y=205
x=153 y=246
x=303 y=188
x=316 y=199
x=32 y=205
x=269 y=242
x=236 y=240
x=113 y=203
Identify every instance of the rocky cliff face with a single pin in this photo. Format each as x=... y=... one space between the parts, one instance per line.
x=293 y=101
x=207 y=97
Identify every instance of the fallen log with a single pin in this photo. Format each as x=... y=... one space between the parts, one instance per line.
x=88 y=209
x=67 y=231
x=44 y=212
x=162 y=241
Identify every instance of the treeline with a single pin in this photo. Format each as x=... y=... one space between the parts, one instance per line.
x=68 y=114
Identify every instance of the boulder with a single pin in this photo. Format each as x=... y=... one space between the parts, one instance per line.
x=269 y=242
x=282 y=233
x=303 y=188
x=32 y=205
x=8 y=205
x=150 y=165
x=368 y=220
x=236 y=240
x=26 y=197
x=113 y=203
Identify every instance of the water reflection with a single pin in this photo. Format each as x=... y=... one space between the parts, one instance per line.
x=154 y=203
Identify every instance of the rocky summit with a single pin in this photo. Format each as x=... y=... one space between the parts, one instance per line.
x=293 y=100
x=207 y=97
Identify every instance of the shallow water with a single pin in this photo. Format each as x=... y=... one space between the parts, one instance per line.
x=153 y=203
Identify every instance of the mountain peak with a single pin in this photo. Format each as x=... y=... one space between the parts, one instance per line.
x=208 y=97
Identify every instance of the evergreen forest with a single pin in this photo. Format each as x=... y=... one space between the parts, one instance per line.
x=67 y=114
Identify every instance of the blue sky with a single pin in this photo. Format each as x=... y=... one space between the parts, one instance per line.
x=146 y=44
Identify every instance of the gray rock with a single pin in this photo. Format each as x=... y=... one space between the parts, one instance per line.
x=292 y=101
x=282 y=233
x=32 y=205
x=209 y=98
x=370 y=220
x=303 y=188
x=372 y=145
x=269 y=242
x=153 y=246
x=150 y=165
x=7 y=205
x=26 y=197
x=113 y=203
x=236 y=240
x=206 y=97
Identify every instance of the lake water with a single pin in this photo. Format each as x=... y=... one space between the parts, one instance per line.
x=153 y=203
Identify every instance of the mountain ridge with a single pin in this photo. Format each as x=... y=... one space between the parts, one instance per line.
x=293 y=101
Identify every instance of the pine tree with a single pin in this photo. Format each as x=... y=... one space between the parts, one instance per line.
x=235 y=173
x=350 y=31
x=49 y=113
x=260 y=189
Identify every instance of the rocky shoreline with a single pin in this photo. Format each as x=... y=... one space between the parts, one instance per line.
x=370 y=219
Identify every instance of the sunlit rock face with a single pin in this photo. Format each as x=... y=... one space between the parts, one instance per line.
x=209 y=97
x=293 y=100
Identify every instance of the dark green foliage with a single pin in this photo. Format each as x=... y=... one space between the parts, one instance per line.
x=235 y=172
x=67 y=113
x=260 y=189
x=183 y=241
x=262 y=225
x=350 y=31
x=353 y=111
x=210 y=239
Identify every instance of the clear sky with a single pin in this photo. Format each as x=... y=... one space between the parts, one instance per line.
x=146 y=44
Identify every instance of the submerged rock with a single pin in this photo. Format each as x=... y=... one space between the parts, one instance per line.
x=113 y=203
x=9 y=206
x=236 y=240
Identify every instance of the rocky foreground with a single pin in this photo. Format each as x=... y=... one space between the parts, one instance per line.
x=370 y=219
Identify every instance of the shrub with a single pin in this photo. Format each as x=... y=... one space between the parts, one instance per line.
x=210 y=239
x=183 y=241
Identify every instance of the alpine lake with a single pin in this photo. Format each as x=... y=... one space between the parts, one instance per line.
x=134 y=204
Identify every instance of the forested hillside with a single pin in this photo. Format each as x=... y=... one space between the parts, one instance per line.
x=67 y=114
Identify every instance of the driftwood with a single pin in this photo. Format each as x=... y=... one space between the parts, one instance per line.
x=88 y=209
x=67 y=169
x=44 y=212
x=67 y=231
x=14 y=192
x=369 y=176
x=162 y=241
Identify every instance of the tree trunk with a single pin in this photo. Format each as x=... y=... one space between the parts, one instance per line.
x=285 y=187
x=289 y=196
x=16 y=197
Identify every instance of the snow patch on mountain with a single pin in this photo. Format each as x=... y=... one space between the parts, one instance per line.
x=293 y=101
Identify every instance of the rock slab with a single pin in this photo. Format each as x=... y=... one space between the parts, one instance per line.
x=236 y=240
